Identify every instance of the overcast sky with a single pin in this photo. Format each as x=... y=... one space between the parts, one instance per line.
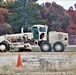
x=64 y=3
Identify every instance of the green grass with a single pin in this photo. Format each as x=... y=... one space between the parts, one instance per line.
x=37 y=49
x=14 y=50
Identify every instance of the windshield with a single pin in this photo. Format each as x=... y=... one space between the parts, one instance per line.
x=35 y=33
x=42 y=29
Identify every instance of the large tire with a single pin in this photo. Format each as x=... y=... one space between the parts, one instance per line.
x=8 y=46
x=58 y=47
x=4 y=47
x=45 y=47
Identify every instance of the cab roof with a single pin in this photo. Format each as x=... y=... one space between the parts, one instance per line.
x=38 y=25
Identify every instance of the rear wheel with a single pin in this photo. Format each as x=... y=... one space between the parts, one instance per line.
x=58 y=47
x=3 y=47
x=45 y=47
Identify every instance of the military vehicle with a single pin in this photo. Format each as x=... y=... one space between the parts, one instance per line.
x=39 y=36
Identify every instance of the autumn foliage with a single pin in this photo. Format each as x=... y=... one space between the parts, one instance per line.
x=4 y=26
x=58 y=18
x=55 y=16
x=52 y=14
x=71 y=29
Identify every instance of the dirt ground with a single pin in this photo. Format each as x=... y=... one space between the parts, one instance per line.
x=38 y=63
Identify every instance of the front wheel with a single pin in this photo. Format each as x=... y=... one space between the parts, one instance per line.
x=45 y=47
x=58 y=47
x=3 y=47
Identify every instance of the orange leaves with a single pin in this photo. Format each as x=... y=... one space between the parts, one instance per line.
x=55 y=16
x=71 y=29
x=1 y=19
x=4 y=27
x=4 y=13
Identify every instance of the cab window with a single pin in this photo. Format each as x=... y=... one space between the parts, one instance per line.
x=42 y=29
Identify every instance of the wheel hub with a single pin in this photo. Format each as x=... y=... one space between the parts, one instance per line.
x=58 y=47
x=2 y=47
x=45 y=47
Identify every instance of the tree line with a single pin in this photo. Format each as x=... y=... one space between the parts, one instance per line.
x=20 y=13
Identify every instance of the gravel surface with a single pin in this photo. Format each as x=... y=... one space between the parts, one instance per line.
x=38 y=63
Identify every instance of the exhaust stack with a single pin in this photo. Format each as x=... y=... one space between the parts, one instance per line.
x=22 y=30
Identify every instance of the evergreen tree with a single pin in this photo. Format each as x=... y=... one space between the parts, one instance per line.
x=24 y=15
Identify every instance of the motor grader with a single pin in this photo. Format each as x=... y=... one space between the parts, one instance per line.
x=39 y=36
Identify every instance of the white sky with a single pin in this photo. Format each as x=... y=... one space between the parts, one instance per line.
x=64 y=3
